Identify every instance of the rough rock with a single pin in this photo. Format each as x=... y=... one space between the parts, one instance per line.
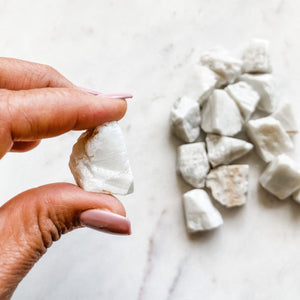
x=245 y=97
x=256 y=57
x=221 y=115
x=192 y=163
x=229 y=184
x=99 y=161
x=200 y=214
x=281 y=177
x=263 y=84
x=223 y=150
x=269 y=137
x=185 y=119
x=226 y=66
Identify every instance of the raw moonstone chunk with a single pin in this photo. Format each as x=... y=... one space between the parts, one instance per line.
x=263 y=84
x=193 y=163
x=99 y=161
x=219 y=61
x=223 y=150
x=200 y=83
x=244 y=96
x=221 y=115
x=269 y=137
x=281 y=177
x=229 y=184
x=200 y=214
x=284 y=114
x=256 y=57
x=185 y=119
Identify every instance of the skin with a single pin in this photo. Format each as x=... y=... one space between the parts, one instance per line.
x=37 y=102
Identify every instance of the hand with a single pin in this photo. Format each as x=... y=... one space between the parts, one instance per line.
x=37 y=102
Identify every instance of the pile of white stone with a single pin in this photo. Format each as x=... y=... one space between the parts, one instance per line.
x=221 y=97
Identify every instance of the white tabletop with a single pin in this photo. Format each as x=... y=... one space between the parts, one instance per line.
x=146 y=48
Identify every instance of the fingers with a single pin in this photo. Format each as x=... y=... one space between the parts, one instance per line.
x=41 y=113
x=31 y=221
x=17 y=74
x=24 y=146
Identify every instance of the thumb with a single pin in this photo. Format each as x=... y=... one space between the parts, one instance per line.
x=33 y=220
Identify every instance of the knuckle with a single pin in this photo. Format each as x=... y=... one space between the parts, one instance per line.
x=49 y=69
x=52 y=78
x=48 y=229
x=48 y=75
x=5 y=107
x=46 y=225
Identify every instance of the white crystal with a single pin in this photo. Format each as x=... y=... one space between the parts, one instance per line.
x=264 y=85
x=284 y=114
x=200 y=83
x=227 y=67
x=296 y=196
x=99 y=161
x=193 y=163
x=222 y=150
x=281 y=177
x=185 y=119
x=200 y=214
x=256 y=57
x=244 y=96
x=229 y=184
x=221 y=115
x=269 y=137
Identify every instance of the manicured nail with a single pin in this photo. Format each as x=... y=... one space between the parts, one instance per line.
x=93 y=92
x=117 y=95
x=112 y=96
x=105 y=221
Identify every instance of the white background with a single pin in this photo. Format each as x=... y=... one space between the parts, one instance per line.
x=146 y=48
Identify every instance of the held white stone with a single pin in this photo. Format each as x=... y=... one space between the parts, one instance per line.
x=296 y=196
x=227 y=67
x=200 y=83
x=193 y=163
x=256 y=57
x=284 y=114
x=245 y=97
x=223 y=150
x=200 y=214
x=229 y=184
x=221 y=115
x=264 y=85
x=281 y=177
x=99 y=161
x=269 y=137
x=185 y=119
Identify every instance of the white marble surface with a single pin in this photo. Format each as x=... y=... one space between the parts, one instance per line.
x=146 y=47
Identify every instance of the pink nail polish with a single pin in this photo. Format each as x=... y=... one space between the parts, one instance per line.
x=93 y=92
x=105 y=221
x=112 y=96
x=117 y=95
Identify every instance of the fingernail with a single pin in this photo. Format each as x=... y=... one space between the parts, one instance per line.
x=117 y=95
x=93 y=92
x=112 y=96
x=105 y=221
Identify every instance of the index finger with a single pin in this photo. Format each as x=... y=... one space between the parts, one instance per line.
x=41 y=113
x=16 y=74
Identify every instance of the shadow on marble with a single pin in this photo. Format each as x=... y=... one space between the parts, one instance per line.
x=204 y=236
